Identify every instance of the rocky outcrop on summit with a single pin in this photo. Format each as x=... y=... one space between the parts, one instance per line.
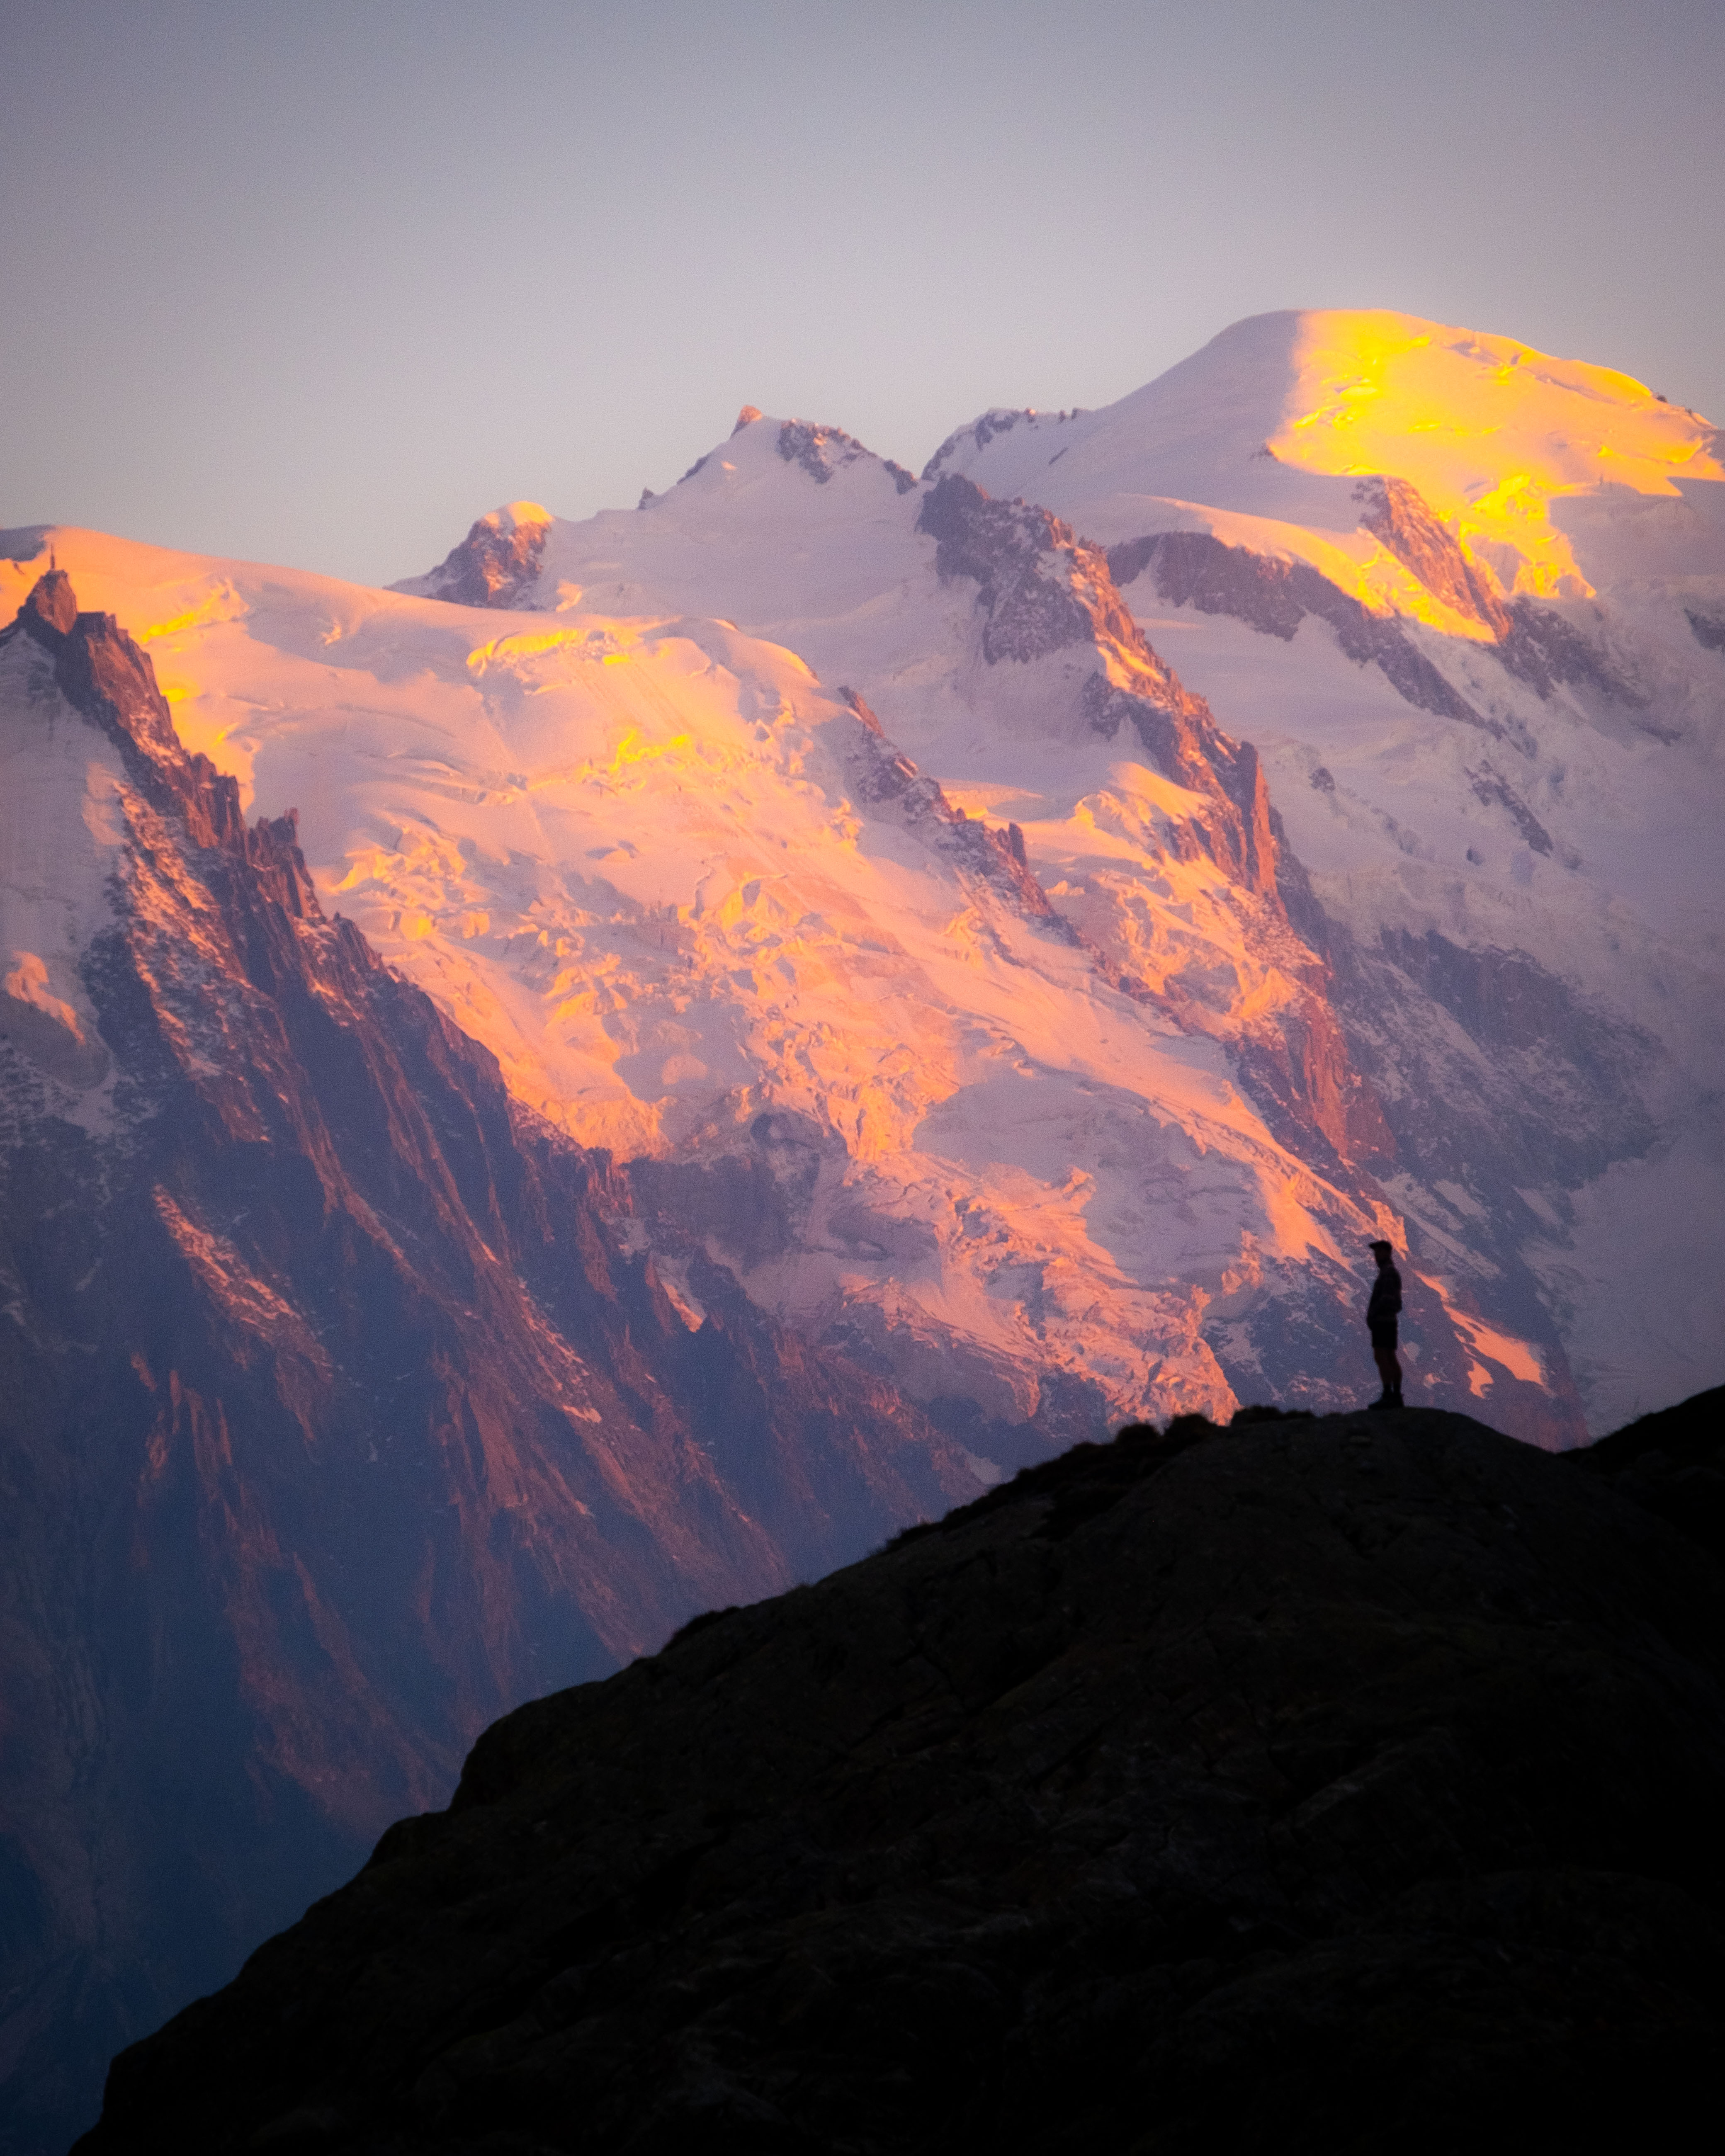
x=821 y=451
x=1042 y=589
x=1395 y=511
x=980 y=433
x=338 y=1417
x=1311 y=1784
x=496 y=565
x=1001 y=420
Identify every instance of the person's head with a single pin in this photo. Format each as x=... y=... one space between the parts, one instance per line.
x=1383 y=1252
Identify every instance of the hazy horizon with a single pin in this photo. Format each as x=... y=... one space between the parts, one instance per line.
x=319 y=285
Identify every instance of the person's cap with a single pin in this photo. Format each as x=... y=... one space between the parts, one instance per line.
x=1376 y=1247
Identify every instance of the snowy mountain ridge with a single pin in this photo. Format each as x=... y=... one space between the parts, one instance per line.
x=1490 y=683
x=1440 y=946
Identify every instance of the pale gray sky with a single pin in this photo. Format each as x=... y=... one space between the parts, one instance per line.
x=318 y=281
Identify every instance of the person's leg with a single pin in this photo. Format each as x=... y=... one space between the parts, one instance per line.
x=1389 y=1369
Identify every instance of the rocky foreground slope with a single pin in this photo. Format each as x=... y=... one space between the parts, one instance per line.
x=1343 y=1784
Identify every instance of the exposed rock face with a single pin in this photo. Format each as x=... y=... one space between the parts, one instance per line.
x=821 y=451
x=1192 y=568
x=1548 y=652
x=1573 y=1113
x=1312 y=1785
x=979 y=435
x=1398 y=513
x=338 y=1419
x=1535 y=643
x=496 y=564
x=883 y=774
x=1495 y=791
x=1000 y=421
x=1044 y=590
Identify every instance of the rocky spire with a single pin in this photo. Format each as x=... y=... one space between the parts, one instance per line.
x=52 y=608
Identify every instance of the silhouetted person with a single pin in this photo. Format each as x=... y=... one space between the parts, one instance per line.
x=1381 y=1314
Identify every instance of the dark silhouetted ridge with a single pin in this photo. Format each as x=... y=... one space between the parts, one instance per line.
x=1319 y=1784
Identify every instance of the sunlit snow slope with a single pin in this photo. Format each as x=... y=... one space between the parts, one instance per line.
x=696 y=904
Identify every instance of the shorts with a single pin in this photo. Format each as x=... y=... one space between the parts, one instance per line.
x=1383 y=1336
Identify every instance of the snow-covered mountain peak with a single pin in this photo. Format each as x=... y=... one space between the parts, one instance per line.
x=818 y=451
x=1026 y=928
x=1491 y=431
x=704 y=912
x=1276 y=416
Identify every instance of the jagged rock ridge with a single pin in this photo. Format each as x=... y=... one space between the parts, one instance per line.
x=822 y=451
x=496 y=564
x=338 y=1416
